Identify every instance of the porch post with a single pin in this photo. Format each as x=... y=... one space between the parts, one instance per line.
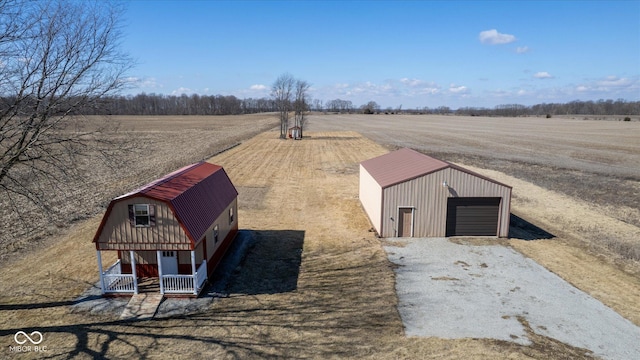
x=159 y=256
x=100 y=271
x=133 y=271
x=193 y=272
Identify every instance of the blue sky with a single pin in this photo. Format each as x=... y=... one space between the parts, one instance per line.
x=409 y=53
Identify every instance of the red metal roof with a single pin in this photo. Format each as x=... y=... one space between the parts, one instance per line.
x=406 y=164
x=198 y=194
x=401 y=165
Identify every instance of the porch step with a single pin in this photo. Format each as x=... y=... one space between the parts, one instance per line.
x=141 y=307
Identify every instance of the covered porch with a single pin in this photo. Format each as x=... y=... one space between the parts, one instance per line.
x=122 y=278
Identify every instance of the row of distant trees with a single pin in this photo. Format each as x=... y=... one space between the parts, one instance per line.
x=159 y=104
x=600 y=107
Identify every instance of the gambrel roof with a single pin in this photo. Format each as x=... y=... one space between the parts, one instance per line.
x=197 y=194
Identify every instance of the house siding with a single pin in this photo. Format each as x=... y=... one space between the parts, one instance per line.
x=224 y=229
x=119 y=234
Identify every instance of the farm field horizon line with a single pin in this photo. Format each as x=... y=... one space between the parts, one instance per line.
x=310 y=186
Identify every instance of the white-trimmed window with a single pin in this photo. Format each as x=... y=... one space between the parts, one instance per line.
x=142 y=215
x=215 y=234
x=230 y=215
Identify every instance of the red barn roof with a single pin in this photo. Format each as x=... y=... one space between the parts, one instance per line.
x=197 y=194
x=401 y=165
x=406 y=164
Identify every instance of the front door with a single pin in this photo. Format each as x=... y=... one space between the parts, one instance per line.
x=405 y=222
x=169 y=262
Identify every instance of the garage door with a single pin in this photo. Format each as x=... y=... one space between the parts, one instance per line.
x=472 y=216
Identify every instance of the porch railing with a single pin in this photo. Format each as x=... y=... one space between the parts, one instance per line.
x=184 y=284
x=115 y=281
x=201 y=274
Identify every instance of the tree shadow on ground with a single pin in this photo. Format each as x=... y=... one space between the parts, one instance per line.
x=522 y=229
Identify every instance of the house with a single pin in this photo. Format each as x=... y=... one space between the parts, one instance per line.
x=174 y=230
x=408 y=194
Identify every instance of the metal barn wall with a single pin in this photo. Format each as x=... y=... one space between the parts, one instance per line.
x=371 y=198
x=118 y=234
x=429 y=198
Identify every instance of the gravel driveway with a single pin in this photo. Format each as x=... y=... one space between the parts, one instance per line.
x=449 y=290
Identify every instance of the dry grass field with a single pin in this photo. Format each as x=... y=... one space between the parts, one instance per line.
x=594 y=162
x=150 y=147
x=299 y=198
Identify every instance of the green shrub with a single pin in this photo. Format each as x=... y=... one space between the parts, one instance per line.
x=627 y=119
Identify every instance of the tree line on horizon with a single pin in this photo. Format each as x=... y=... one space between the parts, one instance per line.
x=160 y=104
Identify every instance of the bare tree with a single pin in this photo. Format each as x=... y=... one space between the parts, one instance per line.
x=57 y=57
x=282 y=92
x=338 y=105
x=301 y=104
x=370 y=108
x=317 y=105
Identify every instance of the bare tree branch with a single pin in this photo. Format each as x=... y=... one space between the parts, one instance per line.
x=301 y=103
x=57 y=58
x=282 y=92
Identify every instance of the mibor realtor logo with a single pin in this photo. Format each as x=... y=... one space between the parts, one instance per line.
x=28 y=342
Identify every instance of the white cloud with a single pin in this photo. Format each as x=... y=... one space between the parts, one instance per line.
x=611 y=84
x=614 y=81
x=143 y=83
x=457 y=89
x=419 y=87
x=258 y=87
x=542 y=75
x=493 y=37
x=522 y=49
x=412 y=82
x=182 y=90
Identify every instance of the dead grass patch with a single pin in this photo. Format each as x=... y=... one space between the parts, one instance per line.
x=479 y=241
x=252 y=197
x=339 y=300
x=156 y=145
x=445 y=278
x=551 y=348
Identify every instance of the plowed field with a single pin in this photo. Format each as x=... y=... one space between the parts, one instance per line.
x=300 y=198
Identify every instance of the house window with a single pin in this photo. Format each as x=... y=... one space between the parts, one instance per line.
x=142 y=216
x=168 y=254
x=215 y=234
x=230 y=215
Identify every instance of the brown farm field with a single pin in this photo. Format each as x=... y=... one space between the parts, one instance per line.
x=594 y=162
x=299 y=198
x=151 y=146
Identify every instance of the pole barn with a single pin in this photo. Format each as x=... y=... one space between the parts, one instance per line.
x=408 y=194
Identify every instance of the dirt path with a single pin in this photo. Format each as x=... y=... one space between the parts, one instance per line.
x=300 y=199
